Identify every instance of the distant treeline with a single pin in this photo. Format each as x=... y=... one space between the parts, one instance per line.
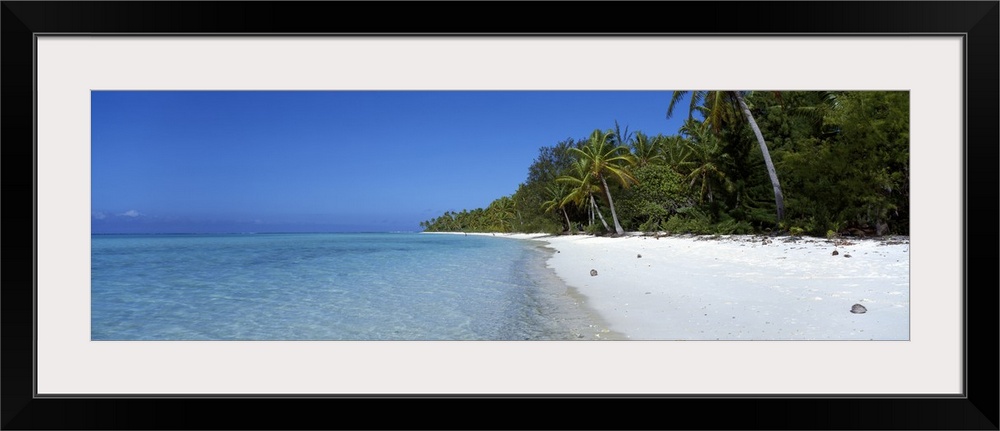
x=821 y=163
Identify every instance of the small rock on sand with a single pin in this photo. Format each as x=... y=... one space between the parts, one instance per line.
x=835 y=253
x=593 y=272
x=858 y=309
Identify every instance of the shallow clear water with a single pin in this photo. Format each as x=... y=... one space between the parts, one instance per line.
x=377 y=286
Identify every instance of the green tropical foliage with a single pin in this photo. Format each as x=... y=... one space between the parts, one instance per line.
x=558 y=194
x=582 y=189
x=604 y=159
x=724 y=108
x=705 y=164
x=843 y=158
x=659 y=193
x=647 y=150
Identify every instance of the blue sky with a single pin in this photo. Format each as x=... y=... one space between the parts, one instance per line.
x=330 y=161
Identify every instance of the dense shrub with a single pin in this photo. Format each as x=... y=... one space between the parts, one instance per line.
x=657 y=196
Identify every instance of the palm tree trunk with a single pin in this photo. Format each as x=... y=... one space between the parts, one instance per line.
x=569 y=227
x=590 y=214
x=779 y=199
x=614 y=216
x=598 y=211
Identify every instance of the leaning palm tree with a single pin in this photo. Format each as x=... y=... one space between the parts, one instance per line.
x=557 y=200
x=606 y=160
x=722 y=107
x=582 y=189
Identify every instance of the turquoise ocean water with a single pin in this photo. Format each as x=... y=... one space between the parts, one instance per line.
x=338 y=286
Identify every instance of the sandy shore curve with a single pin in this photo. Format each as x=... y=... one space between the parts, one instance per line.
x=739 y=287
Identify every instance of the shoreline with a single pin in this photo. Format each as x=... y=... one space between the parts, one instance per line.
x=573 y=310
x=738 y=287
x=567 y=308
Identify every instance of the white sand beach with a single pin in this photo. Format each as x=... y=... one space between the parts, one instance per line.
x=739 y=287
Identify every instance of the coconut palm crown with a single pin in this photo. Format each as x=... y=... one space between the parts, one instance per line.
x=582 y=189
x=605 y=159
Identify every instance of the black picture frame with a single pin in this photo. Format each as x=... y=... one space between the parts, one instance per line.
x=977 y=21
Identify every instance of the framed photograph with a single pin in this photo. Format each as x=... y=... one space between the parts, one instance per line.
x=107 y=99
